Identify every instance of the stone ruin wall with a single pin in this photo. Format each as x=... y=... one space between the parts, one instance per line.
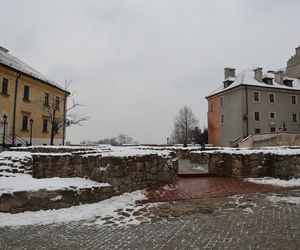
x=52 y=199
x=254 y=165
x=125 y=174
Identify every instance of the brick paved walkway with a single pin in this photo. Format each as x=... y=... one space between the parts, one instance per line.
x=272 y=227
x=191 y=188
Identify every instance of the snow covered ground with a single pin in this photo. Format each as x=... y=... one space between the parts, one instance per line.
x=92 y=213
x=16 y=155
x=105 y=150
x=285 y=199
x=284 y=150
x=274 y=181
x=25 y=182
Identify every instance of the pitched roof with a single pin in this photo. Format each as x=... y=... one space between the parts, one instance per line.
x=247 y=77
x=15 y=63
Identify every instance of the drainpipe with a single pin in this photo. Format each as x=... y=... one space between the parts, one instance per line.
x=247 y=115
x=15 y=108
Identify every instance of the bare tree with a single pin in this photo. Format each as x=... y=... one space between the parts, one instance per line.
x=184 y=124
x=124 y=139
x=59 y=114
x=121 y=139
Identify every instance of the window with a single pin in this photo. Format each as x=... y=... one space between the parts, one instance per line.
x=294 y=99
x=25 y=122
x=4 y=86
x=45 y=125
x=294 y=118
x=46 y=100
x=256 y=96
x=256 y=116
x=272 y=115
x=272 y=129
x=222 y=118
x=222 y=101
x=288 y=83
x=26 y=93
x=257 y=131
x=271 y=97
x=268 y=81
x=57 y=102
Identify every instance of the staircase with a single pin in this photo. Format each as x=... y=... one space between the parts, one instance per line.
x=9 y=165
x=20 y=142
x=9 y=142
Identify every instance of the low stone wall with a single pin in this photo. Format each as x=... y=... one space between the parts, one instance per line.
x=287 y=166
x=44 y=199
x=125 y=174
x=254 y=165
x=271 y=139
x=202 y=158
x=55 y=149
x=183 y=154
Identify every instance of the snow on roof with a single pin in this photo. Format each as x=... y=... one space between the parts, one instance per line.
x=15 y=63
x=230 y=78
x=247 y=77
x=268 y=75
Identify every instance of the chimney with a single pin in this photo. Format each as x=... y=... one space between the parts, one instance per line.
x=4 y=49
x=229 y=72
x=279 y=76
x=258 y=74
x=298 y=51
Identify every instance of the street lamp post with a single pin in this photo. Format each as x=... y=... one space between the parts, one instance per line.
x=31 y=123
x=4 y=128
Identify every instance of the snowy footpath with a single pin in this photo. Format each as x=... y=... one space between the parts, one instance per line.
x=98 y=213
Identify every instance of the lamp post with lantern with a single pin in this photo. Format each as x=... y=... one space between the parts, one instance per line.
x=4 y=129
x=31 y=123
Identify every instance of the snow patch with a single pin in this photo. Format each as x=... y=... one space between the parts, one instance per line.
x=274 y=181
x=25 y=182
x=286 y=199
x=248 y=210
x=96 y=212
x=57 y=198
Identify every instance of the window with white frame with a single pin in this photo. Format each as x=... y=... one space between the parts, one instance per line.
x=271 y=98
x=294 y=117
x=45 y=125
x=294 y=99
x=272 y=115
x=4 y=86
x=257 y=116
x=256 y=96
x=25 y=122
x=222 y=101
x=26 y=93
x=222 y=119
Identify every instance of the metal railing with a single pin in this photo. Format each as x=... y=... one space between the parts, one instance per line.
x=8 y=141
x=19 y=140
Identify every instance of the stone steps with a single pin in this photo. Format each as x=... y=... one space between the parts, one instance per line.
x=15 y=166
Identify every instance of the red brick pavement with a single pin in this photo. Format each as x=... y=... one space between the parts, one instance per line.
x=190 y=188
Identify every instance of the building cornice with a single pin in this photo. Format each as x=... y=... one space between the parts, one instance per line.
x=35 y=78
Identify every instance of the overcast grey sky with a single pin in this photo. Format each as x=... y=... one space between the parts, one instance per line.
x=135 y=63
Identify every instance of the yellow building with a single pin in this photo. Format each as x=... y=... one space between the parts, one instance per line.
x=26 y=101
